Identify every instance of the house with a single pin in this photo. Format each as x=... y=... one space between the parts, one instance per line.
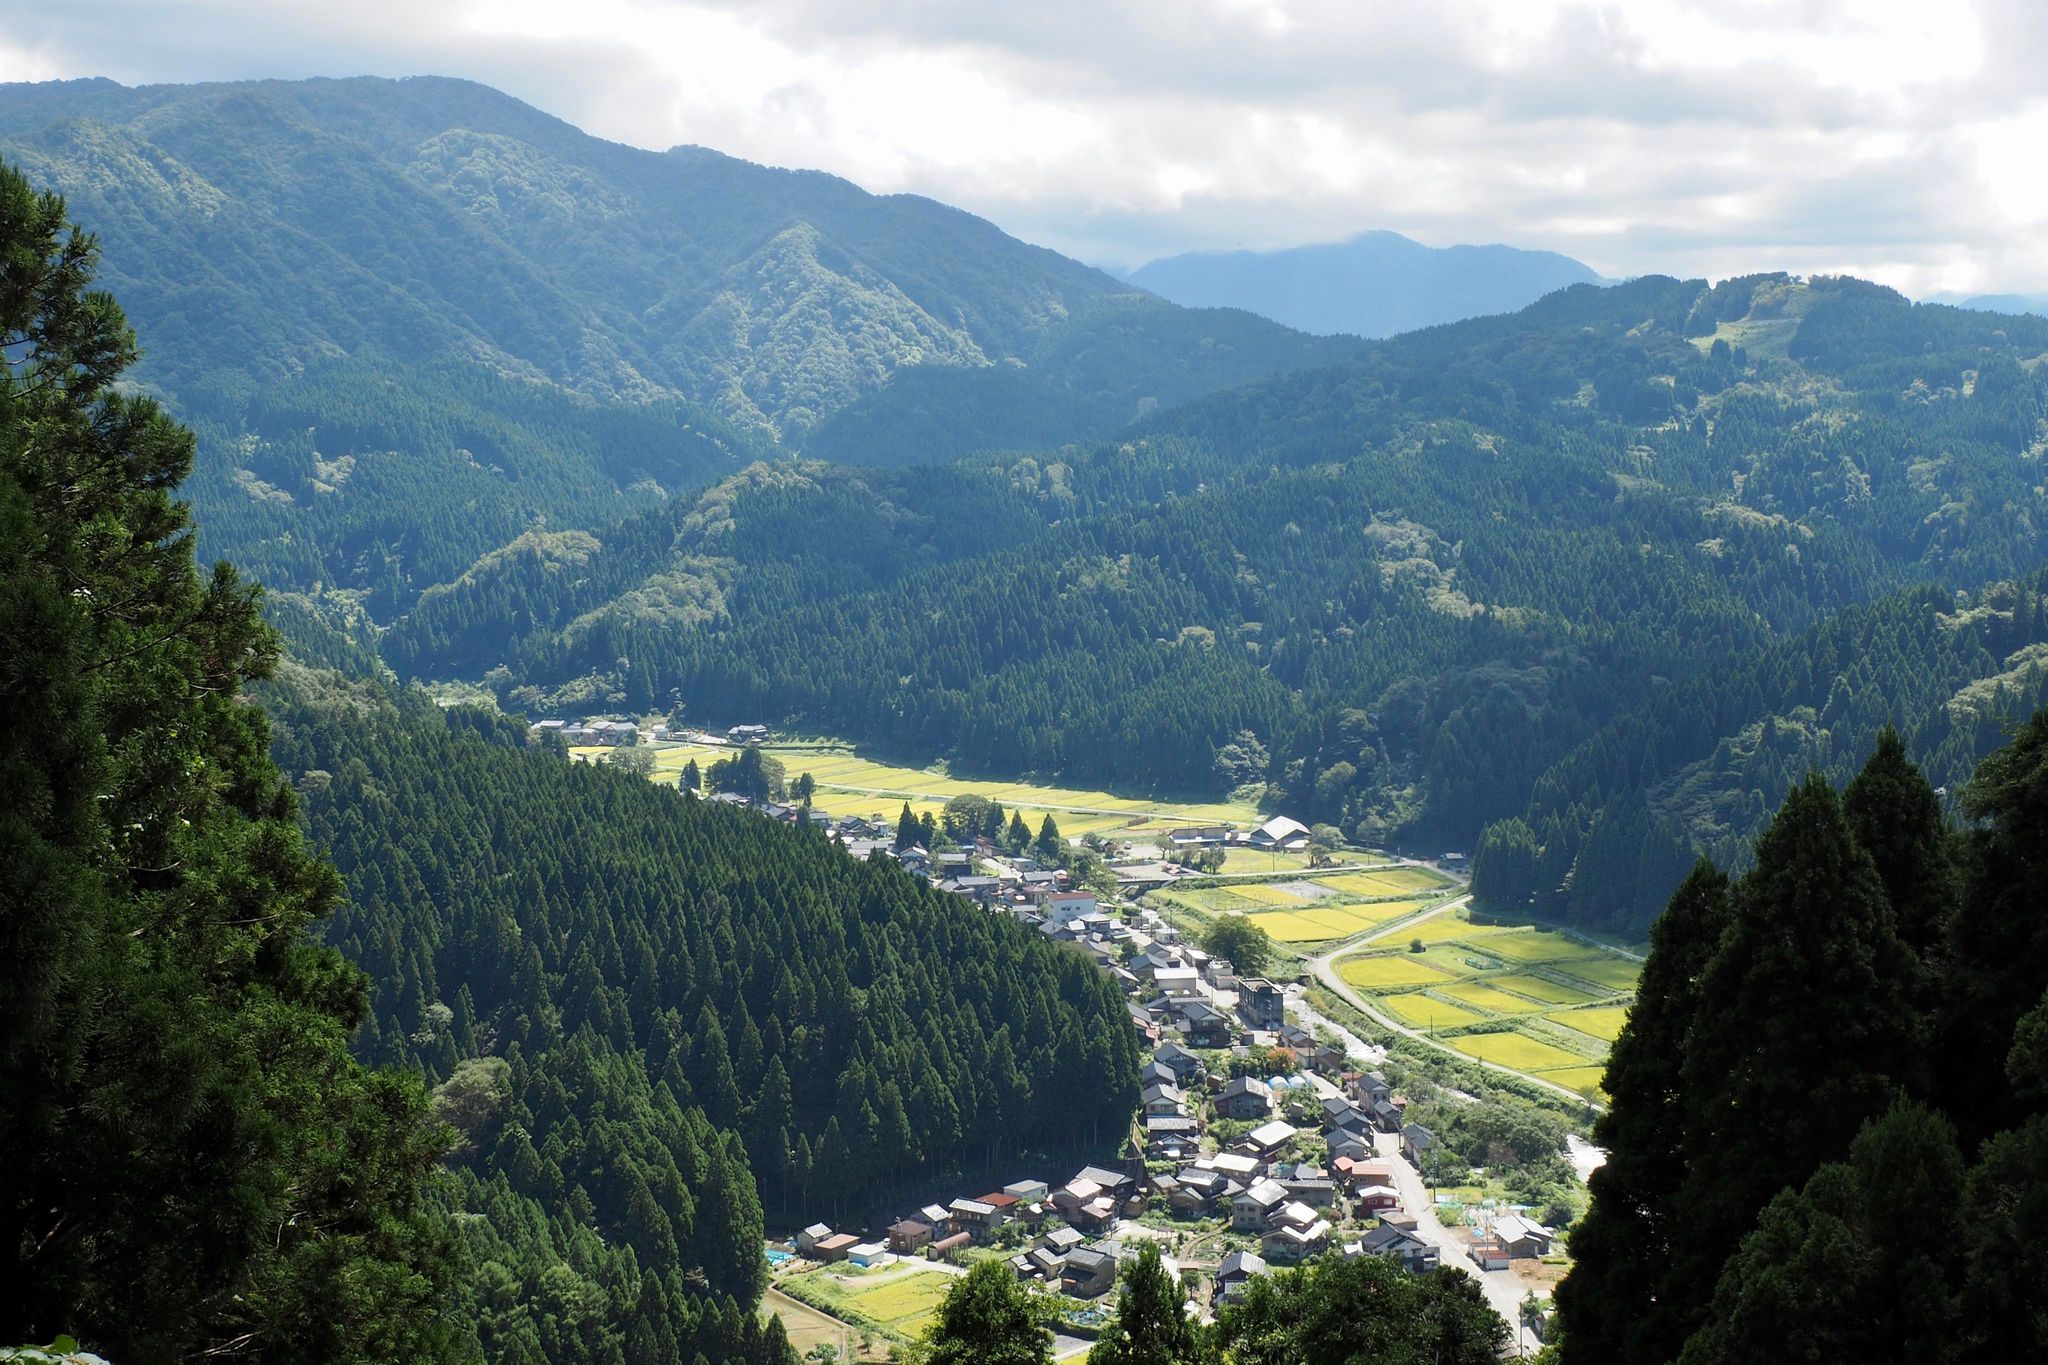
x=1157 y=1072
x=1268 y=1138
x=1378 y=1199
x=1072 y=905
x=1308 y=1185
x=1196 y=1190
x=937 y=1216
x=974 y=1217
x=1416 y=1140
x=868 y=1253
x=1523 y=1238
x=1280 y=833
x=1027 y=1191
x=1326 y=1059
x=1488 y=1254
x=1060 y=1241
x=1180 y=982
x=1163 y=1100
x=1261 y=1004
x=1045 y=1263
x=1291 y=1242
x=1171 y=1135
x=1206 y=1025
x=836 y=1247
x=1237 y=1270
x=1339 y=1112
x=1345 y=1146
x=1251 y=1210
x=1246 y=1097
x=909 y=1237
x=1202 y=836
x=1087 y=1272
x=1368 y=1088
x=747 y=734
x=1111 y=1182
x=808 y=1239
x=1389 y=1113
x=1183 y=1063
x=1402 y=1246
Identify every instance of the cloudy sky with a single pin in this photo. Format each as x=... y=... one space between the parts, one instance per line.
x=1901 y=140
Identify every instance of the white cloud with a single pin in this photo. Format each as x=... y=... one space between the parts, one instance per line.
x=1891 y=137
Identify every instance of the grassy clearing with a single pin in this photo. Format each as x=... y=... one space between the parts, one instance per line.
x=1603 y=1022
x=1540 y=988
x=1516 y=1050
x=1417 y=1010
x=1380 y=973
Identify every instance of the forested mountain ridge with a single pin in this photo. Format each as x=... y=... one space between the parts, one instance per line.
x=1419 y=580
x=651 y=1018
x=413 y=320
x=1373 y=285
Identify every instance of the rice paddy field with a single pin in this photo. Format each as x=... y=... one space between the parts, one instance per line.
x=1318 y=926
x=849 y=784
x=898 y=1303
x=1563 y=1001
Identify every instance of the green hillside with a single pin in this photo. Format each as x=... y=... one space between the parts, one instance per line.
x=1422 y=581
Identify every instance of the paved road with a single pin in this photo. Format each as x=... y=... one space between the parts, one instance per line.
x=1325 y=969
x=1502 y=1287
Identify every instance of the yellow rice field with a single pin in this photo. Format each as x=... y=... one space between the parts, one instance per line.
x=1538 y=988
x=1389 y=882
x=1516 y=1050
x=1483 y=995
x=1379 y=973
x=1417 y=1010
x=904 y=1305
x=1341 y=921
x=1584 y=1079
x=1532 y=945
x=1612 y=972
x=1603 y=1022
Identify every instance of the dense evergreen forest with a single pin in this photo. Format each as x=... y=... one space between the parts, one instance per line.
x=1829 y=1121
x=1506 y=570
x=599 y=1029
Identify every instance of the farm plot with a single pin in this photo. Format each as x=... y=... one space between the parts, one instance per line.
x=1391 y=881
x=903 y=1305
x=1483 y=995
x=1317 y=926
x=1541 y=988
x=1584 y=1079
x=1417 y=1010
x=1516 y=1050
x=1615 y=973
x=1533 y=945
x=1384 y=972
x=1603 y=1022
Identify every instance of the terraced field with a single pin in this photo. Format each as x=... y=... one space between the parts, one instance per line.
x=1320 y=926
x=1563 y=1001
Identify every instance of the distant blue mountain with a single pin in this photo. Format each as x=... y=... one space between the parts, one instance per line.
x=2000 y=303
x=1374 y=285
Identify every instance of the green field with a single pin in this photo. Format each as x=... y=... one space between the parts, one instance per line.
x=1564 y=1015
x=1483 y=995
x=1390 y=882
x=849 y=784
x=1615 y=973
x=1417 y=1010
x=1584 y=1079
x=1603 y=1022
x=1516 y=1050
x=1381 y=973
x=1533 y=945
x=1538 y=988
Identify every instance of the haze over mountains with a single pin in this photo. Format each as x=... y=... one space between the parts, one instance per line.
x=1374 y=285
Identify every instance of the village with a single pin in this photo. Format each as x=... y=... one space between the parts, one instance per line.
x=1262 y=1135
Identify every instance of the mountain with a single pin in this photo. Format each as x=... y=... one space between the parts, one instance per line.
x=2008 y=303
x=1374 y=285
x=413 y=320
x=1525 y=568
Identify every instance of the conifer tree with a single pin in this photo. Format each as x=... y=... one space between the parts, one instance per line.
x=1049 y=845
x=1896 y=817
x=987 y=1318
x=192 y=1161
x=1152 y=1326
x=1610 y=1306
